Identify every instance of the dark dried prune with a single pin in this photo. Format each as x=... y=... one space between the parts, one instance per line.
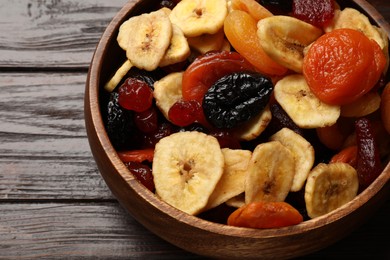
x=119 y=123
x=277 y=7
x=236 y=98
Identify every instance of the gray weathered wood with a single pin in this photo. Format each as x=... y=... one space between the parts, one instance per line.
x=56 y=34
x=70 y=231
x=44 y=151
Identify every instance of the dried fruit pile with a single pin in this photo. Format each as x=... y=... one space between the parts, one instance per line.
x=240 y=116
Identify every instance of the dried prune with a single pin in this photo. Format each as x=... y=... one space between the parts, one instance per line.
x=236 y=98
x=277 y=7
x=119 y=123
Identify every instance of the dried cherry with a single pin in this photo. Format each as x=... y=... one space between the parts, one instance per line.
x=184 y=113
x=315 y=12
x=135 y=95
x=142 y=173
x=146 y=121
x=368 y=160
x=236 y=98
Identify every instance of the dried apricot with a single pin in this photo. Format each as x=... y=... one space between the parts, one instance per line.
x=265 y=215
x=136 y=155
x=241 y=31
x=346 y=155
x=342 y=66
x=256 y=10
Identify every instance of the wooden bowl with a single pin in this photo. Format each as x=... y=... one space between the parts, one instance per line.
x=192 y=233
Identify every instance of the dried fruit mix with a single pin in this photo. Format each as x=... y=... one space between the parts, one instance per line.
x=224 y=106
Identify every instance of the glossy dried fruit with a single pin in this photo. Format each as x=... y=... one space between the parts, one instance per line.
x=135 y=95
x=136 y=155
x=142 y=173
x=241 y=31
x=316 y=12
x=207 y=69
x=184 y=113
x=265 y=215
x=335 y=63
x=236 y=98
x=369 y=165
x=346 y=155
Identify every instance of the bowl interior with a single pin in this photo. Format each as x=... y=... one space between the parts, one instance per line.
x=141 y=203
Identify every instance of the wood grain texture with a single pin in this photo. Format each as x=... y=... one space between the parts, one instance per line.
x=44 y=152
x=55 y=34
x=54 y=203
x=77 y=231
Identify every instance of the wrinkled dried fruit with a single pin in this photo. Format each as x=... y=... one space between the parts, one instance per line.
x=265 y=215
x=316 y=12
x=119 y=123
x=236 y=98
x=142 y=173
x=368 y=159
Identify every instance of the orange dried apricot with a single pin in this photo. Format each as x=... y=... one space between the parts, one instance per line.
x=342 y=66
x=265 y=215
x=256 y=10
x=136 y=155
x=241 y=31
x=346 y=155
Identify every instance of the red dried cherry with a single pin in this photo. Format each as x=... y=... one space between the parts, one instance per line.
x=142 y=173
x=146 y=121
x=184 y=113
x=135 y=94
x=369 y=164
x=315 y=12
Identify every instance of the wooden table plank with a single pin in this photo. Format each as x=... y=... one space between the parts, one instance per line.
x=44 y=151
x=83 y=231
x=55 y=34
x=105 y=231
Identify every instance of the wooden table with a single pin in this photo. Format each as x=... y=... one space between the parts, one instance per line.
x=53 y=201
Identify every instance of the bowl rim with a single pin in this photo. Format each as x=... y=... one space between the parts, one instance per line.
x=93 y=103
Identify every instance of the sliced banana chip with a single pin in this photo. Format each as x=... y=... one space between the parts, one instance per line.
x=167 y=91
x=284 y=38
x=197 y=17
x=270 y=173
x=303 y=153
x=207 y=42
x=305 y=109
x=237 y=201
x=254 y=127
x=118 y=76
x=232 y=182
x=186 y=168
x=178 y=49
x=150 y=38
x=330 y=186
x=363 y=106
